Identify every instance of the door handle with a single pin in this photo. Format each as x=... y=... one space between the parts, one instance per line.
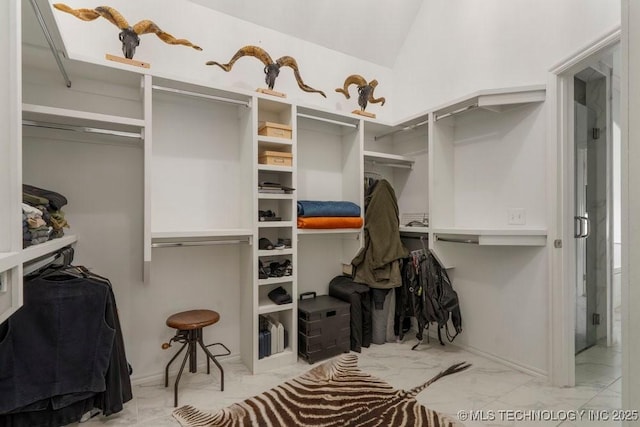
x=587 y=226
x=582 y=227
x=577 y=227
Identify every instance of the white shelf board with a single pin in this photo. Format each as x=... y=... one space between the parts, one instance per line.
x=267 y=306
x=496 y=237
x=328 y=230
x=385 y=159
x=274 y=196
x=274 y=281
x=273 y=140
x=494 y=99
x=272 y=168
x=79 y=118
x=275 y=224
x=277 y=360
x=37 y=251
x=274 y=252
x=212 y=233
x=9 y=260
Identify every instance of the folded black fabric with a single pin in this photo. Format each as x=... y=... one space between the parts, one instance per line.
x=280 y=296
x=56 y=200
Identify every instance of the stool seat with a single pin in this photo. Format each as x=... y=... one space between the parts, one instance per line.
x=193 y=319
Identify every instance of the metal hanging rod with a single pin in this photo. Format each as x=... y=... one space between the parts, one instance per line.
x=461 y=110
x=404 y=129
x=52 y=46
x=408 y=236
x=322 y=119
x=46 y=125
x=202 y=95
x=457 y=240
x=393 y=165
x=199 y=243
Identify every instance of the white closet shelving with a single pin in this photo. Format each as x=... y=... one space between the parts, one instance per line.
x=399 y=154
x=330 y=168
x=255 y=299
x=198 y=184
x=37 y=251
x=483 y=149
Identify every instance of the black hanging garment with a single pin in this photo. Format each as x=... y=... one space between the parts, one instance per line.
x=427 y=295
x=62 y=353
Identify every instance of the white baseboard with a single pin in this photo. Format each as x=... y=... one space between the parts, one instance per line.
x=530 y=370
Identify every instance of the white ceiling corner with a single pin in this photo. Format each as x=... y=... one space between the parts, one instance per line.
x=371 y=30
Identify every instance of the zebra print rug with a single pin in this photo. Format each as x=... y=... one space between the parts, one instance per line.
x=334 y=394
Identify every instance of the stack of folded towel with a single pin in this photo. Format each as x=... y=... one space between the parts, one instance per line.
x=42 y=215
x=329 y=214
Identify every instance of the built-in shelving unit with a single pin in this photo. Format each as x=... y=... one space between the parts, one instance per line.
x=330 y=168
x=482 y=147
x=255 y=300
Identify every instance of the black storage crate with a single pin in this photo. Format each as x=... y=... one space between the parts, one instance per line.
x=323 y=327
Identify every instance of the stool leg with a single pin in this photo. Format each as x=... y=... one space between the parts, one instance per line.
x=166 y=370
x=193 y=358
x=175 y=387
x=212 y=357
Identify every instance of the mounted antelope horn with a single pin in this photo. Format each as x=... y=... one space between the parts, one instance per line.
x=129 y=36
x=365 y=90
x=271 y=68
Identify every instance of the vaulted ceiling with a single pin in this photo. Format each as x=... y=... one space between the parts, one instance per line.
x=372 y=30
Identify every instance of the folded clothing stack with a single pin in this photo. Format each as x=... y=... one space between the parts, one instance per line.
x=47 y=205
x=34 y=227
x=328 y=214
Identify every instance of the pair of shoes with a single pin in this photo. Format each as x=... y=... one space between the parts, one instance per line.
x=278 y=269
x=279 y=296
x=286 y=243
x=262 y=271
x=265 y=243
x=268 y=216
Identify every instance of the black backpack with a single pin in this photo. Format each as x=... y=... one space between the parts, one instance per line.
x=441 y=300
x=427 y=294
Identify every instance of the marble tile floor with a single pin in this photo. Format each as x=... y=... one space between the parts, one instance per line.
x=487 y=386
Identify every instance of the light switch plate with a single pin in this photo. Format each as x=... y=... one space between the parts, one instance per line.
x=517 y=216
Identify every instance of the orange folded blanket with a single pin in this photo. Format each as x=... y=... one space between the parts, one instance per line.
x=330 y=222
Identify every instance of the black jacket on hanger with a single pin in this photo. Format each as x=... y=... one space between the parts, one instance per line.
x=62 y=353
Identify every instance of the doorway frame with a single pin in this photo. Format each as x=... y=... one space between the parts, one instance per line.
x=561 y=357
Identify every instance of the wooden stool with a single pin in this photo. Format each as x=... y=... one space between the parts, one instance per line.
x=189 y=326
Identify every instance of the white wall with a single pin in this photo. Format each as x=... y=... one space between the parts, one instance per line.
x=455 y=48
x=221 y=36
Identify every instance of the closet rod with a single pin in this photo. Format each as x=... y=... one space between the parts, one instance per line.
x=198 y=243
x=46 y=125
x=393 y=165
x=457 y=240
x=406 y=236
x=47 y=35
x=202 y=95
x=406 y=128
x=461 y=110
x=322 y=119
